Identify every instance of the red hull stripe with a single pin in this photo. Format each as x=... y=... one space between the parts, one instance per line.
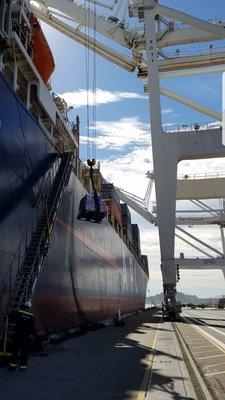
x=89 y=243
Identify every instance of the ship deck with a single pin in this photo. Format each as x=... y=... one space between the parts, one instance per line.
x=135 y=361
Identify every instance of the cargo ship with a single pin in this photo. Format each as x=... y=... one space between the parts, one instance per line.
x=76 y=271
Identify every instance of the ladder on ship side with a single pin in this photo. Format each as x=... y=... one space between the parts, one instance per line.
x=38 y=248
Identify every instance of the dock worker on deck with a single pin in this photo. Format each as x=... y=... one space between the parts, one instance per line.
x=24 y=329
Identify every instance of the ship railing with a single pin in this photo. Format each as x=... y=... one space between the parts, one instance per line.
x=194 y=127
x=206 y=175
x=186 y=176
x=7 y=284
x=183 y=25
x=114 y=21
x=191 y=52
x=22 y=33
x=92 y=10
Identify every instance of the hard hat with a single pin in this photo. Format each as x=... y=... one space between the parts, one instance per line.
x=27 y=304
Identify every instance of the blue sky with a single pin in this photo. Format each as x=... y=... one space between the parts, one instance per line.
x=70 y=75
x=123 y=123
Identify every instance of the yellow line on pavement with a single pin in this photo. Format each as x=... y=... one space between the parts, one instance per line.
x=217 y=343
x=215 y=373
x=213 y=365
x=144 y=385
x=205 y=352
x=194 y=341
x=202 y=358
x=199 y=347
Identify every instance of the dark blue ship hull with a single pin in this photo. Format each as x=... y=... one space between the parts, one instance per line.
x=89 y=273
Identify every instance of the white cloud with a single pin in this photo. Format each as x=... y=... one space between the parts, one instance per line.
x=183 y=127
x=201 y=167
x=82 y=97
x=116 y=135
x=167 y=111
x=128 y=171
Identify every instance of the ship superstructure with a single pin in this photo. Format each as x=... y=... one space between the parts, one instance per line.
x=27 y=64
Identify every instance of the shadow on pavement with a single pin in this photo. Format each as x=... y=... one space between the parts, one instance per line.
x=107 y=364
x=165 y=385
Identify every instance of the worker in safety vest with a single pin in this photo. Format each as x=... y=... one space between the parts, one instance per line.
x=24 y=329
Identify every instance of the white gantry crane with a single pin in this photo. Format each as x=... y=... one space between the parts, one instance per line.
x=138 y=36
x=190 y=188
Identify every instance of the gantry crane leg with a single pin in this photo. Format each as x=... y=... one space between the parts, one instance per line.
x=165 y=166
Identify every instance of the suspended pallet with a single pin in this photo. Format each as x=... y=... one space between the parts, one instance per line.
x=92 y=208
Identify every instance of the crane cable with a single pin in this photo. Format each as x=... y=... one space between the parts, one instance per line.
x=94 y=109
x=91 y=131
x=87 y=59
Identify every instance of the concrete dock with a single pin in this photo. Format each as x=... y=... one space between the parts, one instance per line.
x=140 y=360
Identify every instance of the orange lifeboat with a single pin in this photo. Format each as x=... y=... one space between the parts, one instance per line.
x=41 y=53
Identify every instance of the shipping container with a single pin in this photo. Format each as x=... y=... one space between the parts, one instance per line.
x=136 y=238
x=126 y=222
x=145 y=264
x=114 y=210
x=110 y=196
x=135 y=231
x=109 y=192
x=136 y=246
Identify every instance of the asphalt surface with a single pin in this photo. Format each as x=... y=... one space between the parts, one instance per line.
x=203 y=331
x=169 y=378
x=141 y=360
x=210 y=320
x=105 y=364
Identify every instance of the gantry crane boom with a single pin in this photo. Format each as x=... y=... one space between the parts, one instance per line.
x=103 y=50
x=185 y=35
x=214 y=29
x=113 y=30
x=138 y=205
x=201 y=32
x=87 y=16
